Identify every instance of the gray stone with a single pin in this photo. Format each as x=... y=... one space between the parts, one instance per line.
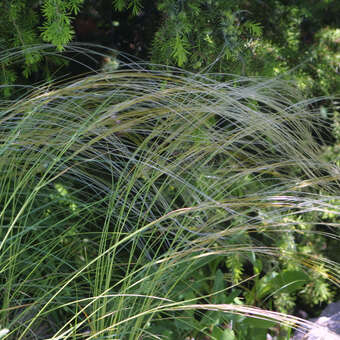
x=325 y=327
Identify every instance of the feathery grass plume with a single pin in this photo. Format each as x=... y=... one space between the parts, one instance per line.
x=117 y=188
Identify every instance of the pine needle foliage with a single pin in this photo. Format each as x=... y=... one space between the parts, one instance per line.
x=198 y=34
x=120 y=188
x=193 y=34
x=57 y=27
x=24 y=23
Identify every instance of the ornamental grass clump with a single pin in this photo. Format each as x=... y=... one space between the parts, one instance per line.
x=120 y=189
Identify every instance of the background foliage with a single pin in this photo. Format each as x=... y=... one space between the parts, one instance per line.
x=243 y=37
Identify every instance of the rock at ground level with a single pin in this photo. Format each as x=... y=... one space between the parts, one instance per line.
x=326 y=326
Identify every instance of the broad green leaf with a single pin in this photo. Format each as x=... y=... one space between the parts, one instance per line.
x=289 y=281
x=223 y=334
x=258 y=323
